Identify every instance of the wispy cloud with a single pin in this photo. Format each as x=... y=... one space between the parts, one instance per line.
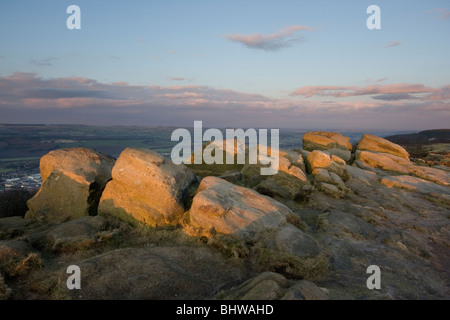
x=394 y=96
x=156 y=58
x=42 y=62
x=272 y=42
x=140 y=40
x=393 y=44
x=440 y=13
x=349 y=91
x=381 y=80
x=180 y=79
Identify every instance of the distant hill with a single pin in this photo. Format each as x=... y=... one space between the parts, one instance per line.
x=422 y=138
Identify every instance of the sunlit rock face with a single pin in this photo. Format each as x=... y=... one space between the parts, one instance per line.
x=331 y=142
x=147 y=187
x=224 y=208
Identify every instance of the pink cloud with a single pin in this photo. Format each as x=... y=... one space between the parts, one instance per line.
x=393 y=44
x=271 y=42
x=176 y=78
x=440 y=13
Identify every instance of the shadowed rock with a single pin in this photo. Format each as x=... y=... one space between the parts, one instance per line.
x=154 y=274
x=304 y=290
x=272 y=286
x=294 y=241
x=73 y=180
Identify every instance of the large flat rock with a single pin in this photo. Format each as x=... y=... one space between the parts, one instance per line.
x=415 y=184
x=224 y=208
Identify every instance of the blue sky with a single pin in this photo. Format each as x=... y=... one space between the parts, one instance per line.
x=182 y=60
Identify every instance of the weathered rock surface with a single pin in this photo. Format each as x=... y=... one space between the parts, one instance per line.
x=373 y=143
x=333 y=143
x=317 y=160
x=294 y=241
x=270 y=188
x=397 y=165
x=321 y=160
x=147 y=187
x=346 y=224
x=289 y=182
x=304 y=290
x=13 y=226
x=383 y=161
x=289 y=162
x=160 y=273
x=415 y=184
x=83 y=232
x=224 y=208
x=295 y=158
x=73 y=180
x=363 y=175
x=322 y=140
x=271 y=286
x=266 y=286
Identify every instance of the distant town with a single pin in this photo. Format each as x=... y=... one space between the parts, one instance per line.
x=20 y=181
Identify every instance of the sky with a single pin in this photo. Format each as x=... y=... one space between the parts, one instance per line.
x=240 y=64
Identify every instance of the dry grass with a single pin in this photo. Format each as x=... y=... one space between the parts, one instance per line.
x=14 y=264
x=312 y=269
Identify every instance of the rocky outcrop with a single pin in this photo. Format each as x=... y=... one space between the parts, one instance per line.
x=323 y=226
x=73 y=180
x=385 y=164
x=385 y=157
x=223 y=208
x=290 y=182
x=148 y=188
x=321 y=160
x=331 y=142
x=329 y=173
x=373 y=143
